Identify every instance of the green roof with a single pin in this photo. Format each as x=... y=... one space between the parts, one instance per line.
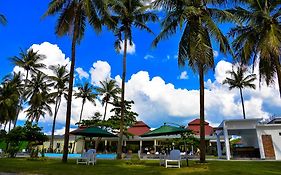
x=165 y=130
x=92 y=132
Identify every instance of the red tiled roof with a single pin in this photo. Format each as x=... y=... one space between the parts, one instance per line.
x=139 y=128
x=196 y=122
x=196 y=129
x=194 y=125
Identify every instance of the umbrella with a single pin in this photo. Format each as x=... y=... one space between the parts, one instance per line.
x=92 y=132
x=165 y=130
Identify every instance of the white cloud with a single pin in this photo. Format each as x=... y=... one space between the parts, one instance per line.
x=168 y=57
x=100 y=71
x=216 y=53
x=146 y=57
x=176 y=56
x=183 y=76
x=81 y=73
x=131 y=49
x=60 y=131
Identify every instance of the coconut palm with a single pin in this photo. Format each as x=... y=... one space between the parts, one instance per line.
x=30 y=61
x=109 y=90
x=199 y=24
x=3 y=19
x=258 y=40
x=128 y=14
x=39 y=98
x=73 y=15
x=85 y=92
x=10 y=91
x=60 y=80
x=240 y=80
x=39 y=106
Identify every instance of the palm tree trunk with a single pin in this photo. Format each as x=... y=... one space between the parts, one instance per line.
x=104 y=115
x=57 y=105
x=21 y=98
x=278 y=70
x=120 y=140
x=10 y=123
x=82 y=108
x=202 y=117
x=242 y=100
x=69 y=96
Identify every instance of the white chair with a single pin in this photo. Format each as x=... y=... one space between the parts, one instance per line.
x=174 y=157
x=87 y=158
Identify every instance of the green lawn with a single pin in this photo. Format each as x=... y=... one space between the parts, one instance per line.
x=110 y=167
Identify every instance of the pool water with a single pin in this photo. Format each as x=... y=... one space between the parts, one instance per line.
x=99 y=156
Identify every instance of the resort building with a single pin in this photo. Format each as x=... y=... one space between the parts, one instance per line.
x=258 y=139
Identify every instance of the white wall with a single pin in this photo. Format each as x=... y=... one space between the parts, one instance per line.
x=273 y=130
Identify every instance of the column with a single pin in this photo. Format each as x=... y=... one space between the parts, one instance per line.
x=125 y=143
x=226 y=141
x=105 y=142
x=219 y=145
x=155 y=144
x=140 y=145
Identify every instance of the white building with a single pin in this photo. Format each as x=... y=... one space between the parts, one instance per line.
x=258 y=140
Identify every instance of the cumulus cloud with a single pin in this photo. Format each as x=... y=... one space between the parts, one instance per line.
x=131 y=49
x=183 y=76
x=100 y=71
x=216 y=53
x=146 y=57
x=81 y=73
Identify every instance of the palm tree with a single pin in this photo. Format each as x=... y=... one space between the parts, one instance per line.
x=86 y=93
x=200 y=25
x=240 y=80
x=128 y=14
x=73 y=15
x=259 y=38
x=30 y=62
x=3 y=19
x=60 y=79
x=10 y=91
x=37 y=91
x=109 y=90
x=39 y=106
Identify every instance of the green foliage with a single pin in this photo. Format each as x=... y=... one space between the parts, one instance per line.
x=129 y=115
x=30 y=133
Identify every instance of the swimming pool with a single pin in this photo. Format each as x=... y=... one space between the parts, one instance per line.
x=99 y=156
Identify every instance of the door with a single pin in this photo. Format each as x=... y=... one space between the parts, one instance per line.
x=268 y=147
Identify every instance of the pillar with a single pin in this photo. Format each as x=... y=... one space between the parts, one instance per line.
x=226 y=141
x=140 y=145
x=219 y=146
x=155 y=144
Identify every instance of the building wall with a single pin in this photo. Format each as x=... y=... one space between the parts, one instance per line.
x=275 y=131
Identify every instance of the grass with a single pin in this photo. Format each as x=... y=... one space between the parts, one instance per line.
x=112 y=167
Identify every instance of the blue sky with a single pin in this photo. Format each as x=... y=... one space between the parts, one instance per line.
x=26 y=27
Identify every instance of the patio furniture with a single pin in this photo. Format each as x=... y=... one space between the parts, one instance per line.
x=174 y=159
x=87 y=158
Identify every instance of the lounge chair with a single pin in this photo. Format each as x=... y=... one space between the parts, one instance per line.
x=87 y=158
x=174 y=157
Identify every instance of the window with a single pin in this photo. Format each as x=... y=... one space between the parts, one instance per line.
x=279 y=133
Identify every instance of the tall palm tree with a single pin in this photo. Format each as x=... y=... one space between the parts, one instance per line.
x=240 y=80
x=30 y=61
x=73 y=15
x=109 y=90
x=10 y=91
x=85 y=92
x=39 y=105
x=60 y=79
x=259 y=38
x=200 y=25
x=37 y=91
x=3 y=19
x=128 y=14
